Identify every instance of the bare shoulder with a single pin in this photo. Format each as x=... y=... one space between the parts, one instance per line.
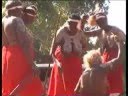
x=8 y=23
x=61 y=30
x=13 y=24
x=116 y=28
x=17 y=20
x=117 y=31
x=11 y=20
x=3 y=19
x=19 y=24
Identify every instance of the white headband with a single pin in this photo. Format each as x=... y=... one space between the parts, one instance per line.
x=72 y=20
x=18 y=6
x=30 y=8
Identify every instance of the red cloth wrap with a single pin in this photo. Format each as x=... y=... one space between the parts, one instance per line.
x=72 y=69
x=115 y=77
x=15 y=68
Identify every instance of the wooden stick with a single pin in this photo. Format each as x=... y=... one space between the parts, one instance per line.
x=22 y=84
x=61 y=71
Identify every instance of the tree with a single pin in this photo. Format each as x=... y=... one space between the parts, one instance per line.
x=51 y=15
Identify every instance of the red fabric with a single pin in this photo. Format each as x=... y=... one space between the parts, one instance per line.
x=72 y=70
x=14 y=69
x=115 y=77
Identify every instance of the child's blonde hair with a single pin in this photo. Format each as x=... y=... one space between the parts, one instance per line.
x=92 y=57
x=92 y=20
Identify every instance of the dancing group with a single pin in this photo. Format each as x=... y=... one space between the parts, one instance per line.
x=104 y=67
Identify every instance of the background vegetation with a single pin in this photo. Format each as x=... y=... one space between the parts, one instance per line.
x=51 y=15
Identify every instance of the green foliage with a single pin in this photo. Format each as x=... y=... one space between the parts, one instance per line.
x=52 y=15
x=3 y=4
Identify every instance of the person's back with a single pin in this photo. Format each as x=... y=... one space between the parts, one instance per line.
x=97 y=82
x=19 y=74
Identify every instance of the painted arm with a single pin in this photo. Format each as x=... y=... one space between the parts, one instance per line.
x=56 y=41
x=120 y=33
x=112 y=64
x=22 y=38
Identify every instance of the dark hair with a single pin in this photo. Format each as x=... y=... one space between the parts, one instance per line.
x=100 y=17
x=84 y=16
x=29 y=11
x=11 y=4
x=75 y=17
x=32 y=11
x=100 y=13
x=101 y=20
x=33 y=6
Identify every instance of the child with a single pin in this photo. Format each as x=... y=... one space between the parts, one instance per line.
x=93 y=81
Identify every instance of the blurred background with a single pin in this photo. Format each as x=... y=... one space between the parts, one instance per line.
x=52 y=14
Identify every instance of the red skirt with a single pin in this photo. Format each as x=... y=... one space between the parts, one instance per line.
x=15 y=68
x=115 y=77
x=72 y=69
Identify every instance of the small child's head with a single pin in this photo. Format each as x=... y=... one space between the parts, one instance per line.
x=92 y=57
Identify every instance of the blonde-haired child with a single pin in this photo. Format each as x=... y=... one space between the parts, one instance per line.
x=93 y=81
